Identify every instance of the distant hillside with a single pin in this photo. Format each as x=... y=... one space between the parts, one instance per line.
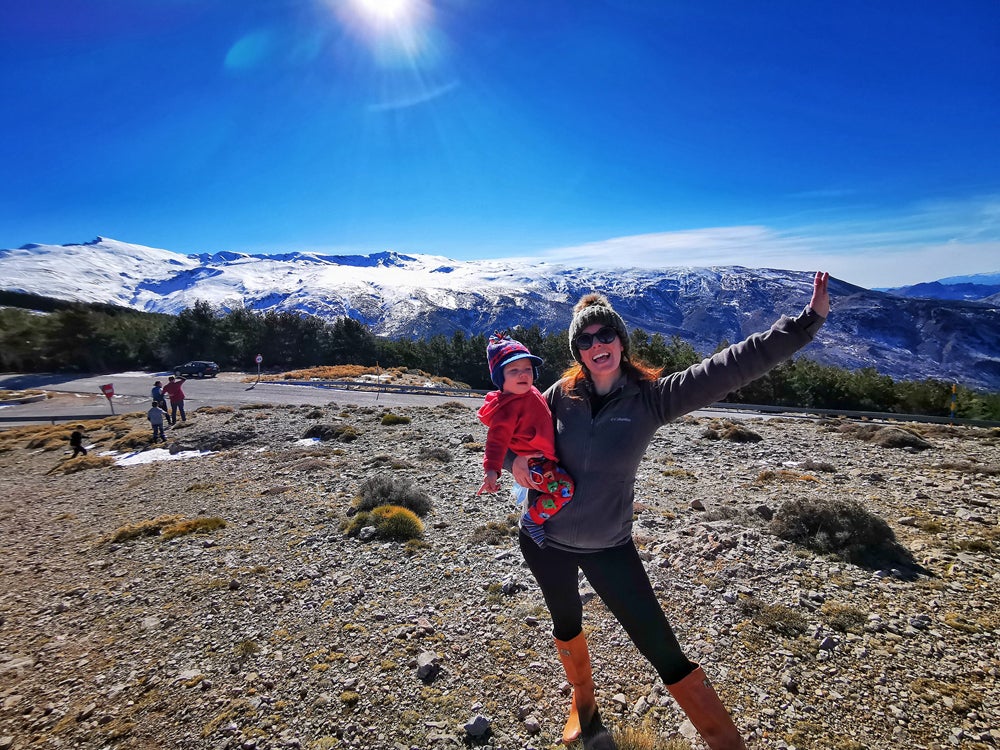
x=965 y=291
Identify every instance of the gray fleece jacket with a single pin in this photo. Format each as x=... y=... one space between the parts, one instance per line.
x=602 y=452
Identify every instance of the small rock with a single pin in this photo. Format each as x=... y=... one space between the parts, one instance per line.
x=427 y=667
x=477 y=727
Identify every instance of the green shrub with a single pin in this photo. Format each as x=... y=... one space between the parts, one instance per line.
x=388 y=489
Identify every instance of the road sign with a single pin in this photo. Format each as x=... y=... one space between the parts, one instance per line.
x=258 y=359
x=109 y=390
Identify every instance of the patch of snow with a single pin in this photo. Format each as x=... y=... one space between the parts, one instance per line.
x=138 y=458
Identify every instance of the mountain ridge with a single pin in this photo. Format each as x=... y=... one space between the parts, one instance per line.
x=416 y=296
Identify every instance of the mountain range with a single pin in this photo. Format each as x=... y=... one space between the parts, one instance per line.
x=947 y=330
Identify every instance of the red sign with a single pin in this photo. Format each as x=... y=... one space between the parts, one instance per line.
x=108 y=390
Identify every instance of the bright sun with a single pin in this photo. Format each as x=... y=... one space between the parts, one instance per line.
x=391 y=13
x=398 y=31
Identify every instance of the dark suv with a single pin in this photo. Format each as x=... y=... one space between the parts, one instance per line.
x=198 y=368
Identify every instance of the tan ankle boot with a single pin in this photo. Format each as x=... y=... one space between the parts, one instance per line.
x=701 y=703
x=575 y=659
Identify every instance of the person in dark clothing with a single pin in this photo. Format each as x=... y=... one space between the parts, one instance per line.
x=76 y=442
x=157 y=393
x=606 y=409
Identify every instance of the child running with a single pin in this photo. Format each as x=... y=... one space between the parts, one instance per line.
x=519 y=420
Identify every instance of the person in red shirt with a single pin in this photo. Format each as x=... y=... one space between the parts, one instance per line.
x=519 y=421
x=173 y=391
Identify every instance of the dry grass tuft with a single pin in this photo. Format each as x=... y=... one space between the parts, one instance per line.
x=777 y=617
x=784 y=475
x=437 y=453
x=452 y=406
x=885 y=437
x=738 y=433
x=965 y=698
x=632 y=738
x=132 y=441
x=201 y=525
x=343 y=433
x=390 y=419
x=968 y=467
x=167 y=527
x=495 y=532
x=49 y=438
x=83 y=463
x=835 y=526
x=310 y=464
x=391 y=522
x=214 y=410
x=843 y=617
x=150 y=527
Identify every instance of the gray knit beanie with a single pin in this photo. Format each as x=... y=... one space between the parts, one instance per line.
x=595 y=308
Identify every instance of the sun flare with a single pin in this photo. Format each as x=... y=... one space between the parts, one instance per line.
x=389 y=11
x=387 y=15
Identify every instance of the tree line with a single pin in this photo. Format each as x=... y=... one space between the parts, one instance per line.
x=39 y=334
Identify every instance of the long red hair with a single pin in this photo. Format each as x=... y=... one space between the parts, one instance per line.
x=574 y=375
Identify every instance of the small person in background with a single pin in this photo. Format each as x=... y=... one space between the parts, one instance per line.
x=175 y=393
x=76 y=442
x=156 y=415
x=519 y=420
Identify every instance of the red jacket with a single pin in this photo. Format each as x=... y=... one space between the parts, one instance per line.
x=173 y=390
x=520 y=423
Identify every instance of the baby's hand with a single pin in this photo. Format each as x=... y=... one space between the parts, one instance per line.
x=490 y=483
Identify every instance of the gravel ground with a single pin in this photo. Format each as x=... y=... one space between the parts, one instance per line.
x=278 y=630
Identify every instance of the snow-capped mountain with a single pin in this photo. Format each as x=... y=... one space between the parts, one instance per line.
x=420 y=295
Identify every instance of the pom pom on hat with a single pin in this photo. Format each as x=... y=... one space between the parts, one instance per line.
x=595 y=308
x=501 y=351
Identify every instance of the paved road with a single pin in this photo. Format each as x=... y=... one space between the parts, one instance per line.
x=81 y=396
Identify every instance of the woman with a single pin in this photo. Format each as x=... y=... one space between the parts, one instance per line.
x=606 y=409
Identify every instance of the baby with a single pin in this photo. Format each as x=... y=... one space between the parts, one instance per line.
x=519 y=420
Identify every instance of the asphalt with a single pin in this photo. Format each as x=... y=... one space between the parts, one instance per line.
x=75 y=397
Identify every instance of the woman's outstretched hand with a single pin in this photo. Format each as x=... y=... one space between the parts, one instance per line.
x=820 y=302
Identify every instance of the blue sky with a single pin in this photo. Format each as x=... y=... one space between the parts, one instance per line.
x=860 y=137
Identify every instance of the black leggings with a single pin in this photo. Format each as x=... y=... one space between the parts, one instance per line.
x=619 y=578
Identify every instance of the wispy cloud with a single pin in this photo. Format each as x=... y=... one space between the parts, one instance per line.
x=928 y=242
x=413 y=100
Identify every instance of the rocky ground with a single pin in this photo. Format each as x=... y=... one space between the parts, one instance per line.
x=277 y=630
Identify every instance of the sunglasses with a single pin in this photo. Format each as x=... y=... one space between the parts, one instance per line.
x=586 y=340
